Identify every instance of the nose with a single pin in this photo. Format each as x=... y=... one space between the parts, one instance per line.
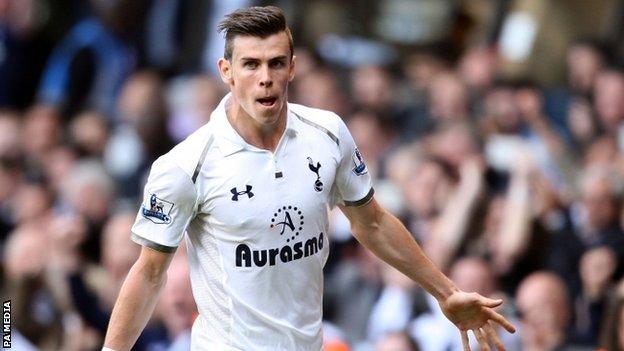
x=266 y=80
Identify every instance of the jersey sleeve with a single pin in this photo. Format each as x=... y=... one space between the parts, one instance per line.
x=169 y=203
x=353 y=184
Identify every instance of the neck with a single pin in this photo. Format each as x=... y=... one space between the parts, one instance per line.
x=263 y=136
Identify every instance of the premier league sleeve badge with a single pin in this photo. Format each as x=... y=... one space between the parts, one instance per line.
x=358 y=162
x=157 y=210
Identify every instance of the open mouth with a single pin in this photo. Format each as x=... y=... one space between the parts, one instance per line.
x=268 y=101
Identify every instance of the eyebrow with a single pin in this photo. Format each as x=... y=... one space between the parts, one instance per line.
x=281 y=57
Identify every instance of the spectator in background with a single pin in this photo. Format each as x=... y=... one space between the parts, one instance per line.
x=612 y=331
x=41 y=132
x=10 y=153
x=591 y=220
x=597 y=268
x=514 y=123
x=30 y=203
x=142 y=106
x=89 y=192
x=478 y=67
x=34 y=307
x=320 y=89
x=91 y=288
x=23 y=50
x=351 y=290
x=174 y=34
x=141 y=136
x=89 y=66
x=501 y=114
x=602 y=153
x=58 y=164
x=517 y=244
x=396 y=341
x=581 y=123
x=10 y=130
x=609 y=99
x=88 y=133
x=426 y=190
x=548 y=147
x=448 y=99
x=399 y=302
x=118 y=254
x=376 y=137
x=479 y=220
x=191 y=100
x=10 y=177
x=599 y=211
x=176 y=307
x=456 y=220
x=372 y=88
x=544 y=310
x=420 y=69
x=455 y=143
x=584 y=60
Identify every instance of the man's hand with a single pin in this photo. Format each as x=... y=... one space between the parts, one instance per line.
x=471 y=311
x=387 y=237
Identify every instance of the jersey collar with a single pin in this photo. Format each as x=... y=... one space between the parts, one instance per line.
x=229 y=141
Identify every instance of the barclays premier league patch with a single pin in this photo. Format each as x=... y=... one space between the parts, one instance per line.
x=359 y=166
x=158 y=210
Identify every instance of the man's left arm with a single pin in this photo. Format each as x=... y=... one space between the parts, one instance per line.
x=387 y=237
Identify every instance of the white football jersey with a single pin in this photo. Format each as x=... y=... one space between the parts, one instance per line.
x=256 y=225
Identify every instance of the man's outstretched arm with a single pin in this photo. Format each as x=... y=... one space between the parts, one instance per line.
x=137 y=298
x=387 y=237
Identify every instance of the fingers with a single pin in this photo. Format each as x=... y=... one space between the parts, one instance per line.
x=487 y=302
x=481 y=339
x=484 y=336
x=464 y=339
x=502 y=321
x=492 y=336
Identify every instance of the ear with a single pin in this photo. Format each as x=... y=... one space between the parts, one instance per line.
x=291 y=73
x=225 y=71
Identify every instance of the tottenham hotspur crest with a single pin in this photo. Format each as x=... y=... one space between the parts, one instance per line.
x=318 y=185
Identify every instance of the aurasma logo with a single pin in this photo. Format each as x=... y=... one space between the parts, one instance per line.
x=6 y=324
x=246 y=257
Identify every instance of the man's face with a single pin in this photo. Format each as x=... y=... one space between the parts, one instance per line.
x=599 y=203
x=258 y=75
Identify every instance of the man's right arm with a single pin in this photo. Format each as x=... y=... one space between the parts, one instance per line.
x=137 y=299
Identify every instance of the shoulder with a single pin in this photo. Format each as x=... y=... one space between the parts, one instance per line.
x=323 y=120
x=186 y=154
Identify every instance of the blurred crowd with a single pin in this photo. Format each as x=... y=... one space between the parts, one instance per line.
x=514 y=189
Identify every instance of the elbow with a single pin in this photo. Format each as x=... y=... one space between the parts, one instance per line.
x=367 y=233
x=154 y=275
x=368 y=222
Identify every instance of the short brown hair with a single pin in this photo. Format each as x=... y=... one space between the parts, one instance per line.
x=257 y=21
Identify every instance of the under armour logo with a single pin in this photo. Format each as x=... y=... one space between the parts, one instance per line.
x=318 y=185
x=236 y=193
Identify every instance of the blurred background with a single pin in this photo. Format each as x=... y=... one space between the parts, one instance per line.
x=493 y=128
